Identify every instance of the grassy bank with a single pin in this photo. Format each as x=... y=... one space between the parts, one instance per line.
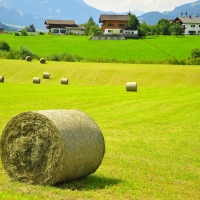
x=152 y=136
x=149 y=49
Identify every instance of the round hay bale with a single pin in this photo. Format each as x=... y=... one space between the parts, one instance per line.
x=36 y=80
x=42 y=61
x=48 y=147
x=46 y=75
x=64 y=81
x=131 y=86
x=2 y=79
x=28 y=58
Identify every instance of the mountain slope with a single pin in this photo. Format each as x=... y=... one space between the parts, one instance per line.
x=25 y=13
x=153 y=17
x=76 y=10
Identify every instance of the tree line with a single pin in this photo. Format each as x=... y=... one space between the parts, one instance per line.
x=163 y=27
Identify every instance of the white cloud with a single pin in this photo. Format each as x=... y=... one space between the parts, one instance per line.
x=58 y=11
x=146 y=5
x=21 y=13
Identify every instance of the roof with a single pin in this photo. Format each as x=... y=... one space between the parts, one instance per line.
x=65 y=22
x=189 y=20
x=78 y=27
x=113 y=17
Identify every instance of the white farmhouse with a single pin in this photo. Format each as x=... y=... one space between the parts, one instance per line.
x=190 y=24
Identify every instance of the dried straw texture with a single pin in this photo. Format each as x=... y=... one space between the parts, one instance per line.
x=64 y=81
x=42 y=61
x=46 y=75
x=28 y=58
x=131 y=86
x=51 y=146
x=36 y=80
x=2 y=79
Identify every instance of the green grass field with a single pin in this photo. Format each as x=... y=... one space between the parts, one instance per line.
x=152 y=48
x=152 y=135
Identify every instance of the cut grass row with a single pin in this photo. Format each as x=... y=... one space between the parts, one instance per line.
x=152 y=48
x=152 y=136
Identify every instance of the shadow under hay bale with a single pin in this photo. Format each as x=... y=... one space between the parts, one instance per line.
x=36 y=80
x=46 y=75
x=131 y=86
x=42 y=61
x=28 y=58
x=64 y=81
x=51 y=146
x=2 y=79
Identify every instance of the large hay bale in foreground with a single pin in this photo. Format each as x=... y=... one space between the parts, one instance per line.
x=2 y=79
x=64 y=81
x=51 y=146
x=46 y=75
x=42 y=61
x=28 y=58
x=36 y=80
x=131 y=86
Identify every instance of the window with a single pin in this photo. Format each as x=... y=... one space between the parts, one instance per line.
x=62 y=31
x=192 y=32
x=110 y=24
x=192 y=26
x=56 y=31
x=121 y=25
x=109 y=31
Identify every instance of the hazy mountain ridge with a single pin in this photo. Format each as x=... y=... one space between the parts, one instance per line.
x=192 y=9
x=25 y=13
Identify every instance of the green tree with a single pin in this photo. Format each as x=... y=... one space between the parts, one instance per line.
x=176 y=29
x=95 y=30
x=24 y=32
x=133 y=22
x=4 y=46
x=156 y=29
x=31 y=28
x=88 y=24
x=164 y=25
x=144 y=28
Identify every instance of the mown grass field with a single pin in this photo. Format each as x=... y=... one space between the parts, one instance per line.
x=152 y=135
x=152 y=48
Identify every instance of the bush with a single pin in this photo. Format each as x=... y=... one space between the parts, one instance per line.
x=13 y=54
x=16 y=34
x=3 y=54
x=195 y=53
x=54 y=57
x=198 y=61
x=182 y=62
x=24 y=32
x=173 y=61
x=24 y=51
x=4 y=46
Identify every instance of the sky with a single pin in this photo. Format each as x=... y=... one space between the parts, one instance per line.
x=141 y=5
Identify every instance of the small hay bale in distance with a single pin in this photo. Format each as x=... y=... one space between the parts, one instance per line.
x=64 y=81
x=46 y=75
x=42 y=61
x=28 y=58
x=36 y=80
x=131 y=86
x=48 y=147
x=2 y=79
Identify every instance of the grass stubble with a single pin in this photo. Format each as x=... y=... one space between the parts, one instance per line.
x=151 y=136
